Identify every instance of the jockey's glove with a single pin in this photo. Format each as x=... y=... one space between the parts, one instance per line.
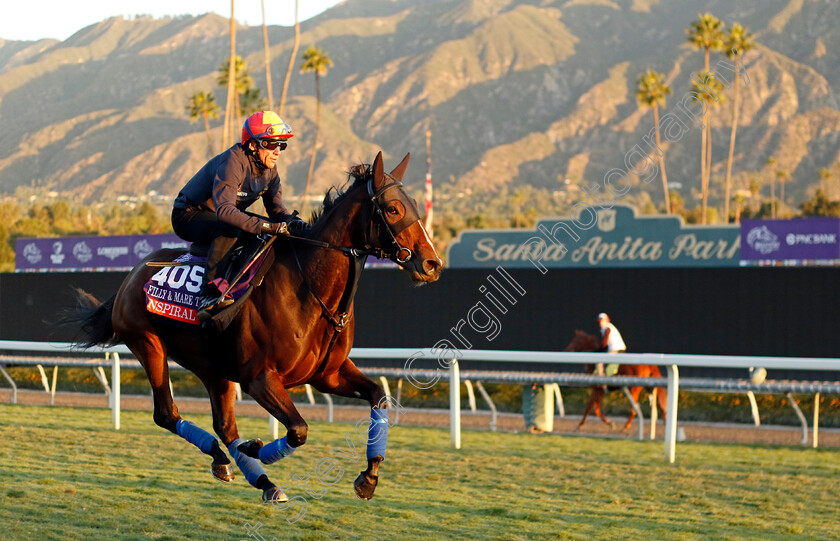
x=279 y=228
x=297 y=225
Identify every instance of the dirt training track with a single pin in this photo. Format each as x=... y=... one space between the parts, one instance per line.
x=509 y=422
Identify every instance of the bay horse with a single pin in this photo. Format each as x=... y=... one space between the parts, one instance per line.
x=287 y=333
x=584 y=342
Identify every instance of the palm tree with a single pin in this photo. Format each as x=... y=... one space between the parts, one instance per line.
x=755 y=190
x=825 y=175
x=227 y=136
x=782 y=176
x=710 y=90
x=291 y=61
x=771 y=161
x=267 y=60
x=518 y=199
x=242 y=82
x=741 y=41
x=651 y=91
x=738 y=199
x=315 y=60
x=706 y=33
x=204 y=105
x=251 y=101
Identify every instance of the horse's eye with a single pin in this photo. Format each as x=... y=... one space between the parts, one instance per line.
x=392 y=210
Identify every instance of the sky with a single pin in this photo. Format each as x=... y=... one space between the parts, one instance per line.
x=59 y=19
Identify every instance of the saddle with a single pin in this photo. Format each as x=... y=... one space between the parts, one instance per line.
x=172 y=292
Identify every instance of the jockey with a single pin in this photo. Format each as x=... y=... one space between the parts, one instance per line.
x=210 y=209
x=611 y=342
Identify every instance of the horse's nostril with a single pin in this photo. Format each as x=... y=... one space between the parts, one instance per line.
x=430 y=266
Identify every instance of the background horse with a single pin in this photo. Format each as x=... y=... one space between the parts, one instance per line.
x=585 y=342
x=287 y=333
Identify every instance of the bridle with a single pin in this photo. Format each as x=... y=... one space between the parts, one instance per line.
x=358 y=256
x=409 y=219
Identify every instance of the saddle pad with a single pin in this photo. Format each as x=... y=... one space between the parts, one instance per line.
x=173 y=291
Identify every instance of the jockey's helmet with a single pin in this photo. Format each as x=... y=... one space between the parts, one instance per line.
x=265 y=125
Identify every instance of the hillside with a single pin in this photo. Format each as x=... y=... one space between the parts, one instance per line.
x=516 y=92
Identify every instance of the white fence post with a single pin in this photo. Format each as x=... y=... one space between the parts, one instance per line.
x=803 y=422
x=816 y=419
x=115 y=389
x=671 y=417
x=494 y=415
x=638 y=409
x=754 y=408
x=559 y=396
x=470 y=395
x=455 y=403
x=11 y=382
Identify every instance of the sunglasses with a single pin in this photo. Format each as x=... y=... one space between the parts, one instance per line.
x=270 y=144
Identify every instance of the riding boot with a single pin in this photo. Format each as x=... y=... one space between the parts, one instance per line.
x=209 y=297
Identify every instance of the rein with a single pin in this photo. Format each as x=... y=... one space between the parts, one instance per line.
x=357 y=257
x=337 y=319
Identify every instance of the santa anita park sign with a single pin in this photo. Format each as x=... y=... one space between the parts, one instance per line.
x=612 y=237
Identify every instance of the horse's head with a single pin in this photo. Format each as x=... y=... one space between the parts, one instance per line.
x=395 y=226
x=583 y=342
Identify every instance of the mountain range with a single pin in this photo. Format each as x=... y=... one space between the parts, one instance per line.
x=515 y=92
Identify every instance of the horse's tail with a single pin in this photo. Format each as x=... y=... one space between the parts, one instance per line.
x=92 y=320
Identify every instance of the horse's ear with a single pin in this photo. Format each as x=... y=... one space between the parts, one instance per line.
x=399 y=170
x=378 y=170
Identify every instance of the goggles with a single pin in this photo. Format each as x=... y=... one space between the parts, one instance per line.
x=271 y=144
x=275 y=130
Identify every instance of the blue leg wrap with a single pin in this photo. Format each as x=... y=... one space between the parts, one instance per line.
x=377 y=433
x=274 y=451
x=195 y=435
x=250 y=467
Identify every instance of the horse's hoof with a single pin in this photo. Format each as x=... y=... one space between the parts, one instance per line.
x=274 y=494
x=251 y=448
x=222 y=472
x=365 y=484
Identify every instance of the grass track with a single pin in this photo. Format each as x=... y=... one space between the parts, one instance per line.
x=66 y=475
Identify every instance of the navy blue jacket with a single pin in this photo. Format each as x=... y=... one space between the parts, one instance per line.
x=230 y=183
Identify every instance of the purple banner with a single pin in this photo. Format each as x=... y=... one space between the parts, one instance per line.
x=806 y=239
x=89 y=253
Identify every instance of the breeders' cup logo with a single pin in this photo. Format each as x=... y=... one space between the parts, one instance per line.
x=32 y=253
x=57 y=257
x=143 y=248
x=762 y=240
x=606 y=220
x=82 y=252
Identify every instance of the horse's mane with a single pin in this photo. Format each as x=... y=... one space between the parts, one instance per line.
x=356 y=176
